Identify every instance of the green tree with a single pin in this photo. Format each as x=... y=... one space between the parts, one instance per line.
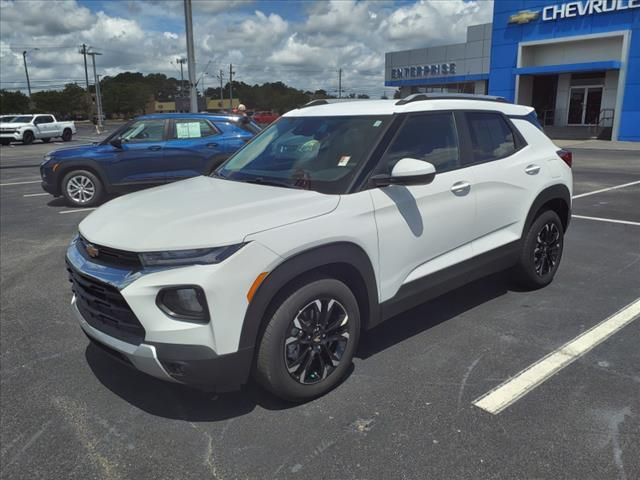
x=13 y=102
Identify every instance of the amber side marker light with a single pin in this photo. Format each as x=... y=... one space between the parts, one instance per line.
x=256 y=284
x=55 y=167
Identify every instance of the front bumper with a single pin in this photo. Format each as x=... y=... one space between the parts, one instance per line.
x=15 y=137
x=205 y=356
x=193 y=365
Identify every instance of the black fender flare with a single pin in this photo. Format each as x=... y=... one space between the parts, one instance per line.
x=554 y=192
x=300 y=264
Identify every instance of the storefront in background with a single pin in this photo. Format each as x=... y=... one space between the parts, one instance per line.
x=462 y=67
x=577 y=63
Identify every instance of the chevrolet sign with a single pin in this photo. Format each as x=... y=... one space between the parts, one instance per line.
x=573 y=9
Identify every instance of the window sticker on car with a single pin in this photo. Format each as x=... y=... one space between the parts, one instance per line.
x=377 y=123
x=188 y=130
x=344 y=160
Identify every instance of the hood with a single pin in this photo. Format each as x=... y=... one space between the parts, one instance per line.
x=198 y=213
x=73 y=151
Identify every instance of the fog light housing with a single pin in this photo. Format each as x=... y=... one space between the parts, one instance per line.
x=185 y=302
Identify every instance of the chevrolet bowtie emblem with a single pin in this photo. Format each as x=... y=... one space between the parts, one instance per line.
x=525 y=16
x=92 y=251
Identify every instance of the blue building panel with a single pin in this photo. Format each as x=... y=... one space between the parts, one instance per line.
x=506 y=38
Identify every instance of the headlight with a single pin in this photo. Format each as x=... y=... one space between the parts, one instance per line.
x=197 y=256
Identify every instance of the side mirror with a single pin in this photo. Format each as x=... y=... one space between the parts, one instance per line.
x=408 y=171
x=116 y=142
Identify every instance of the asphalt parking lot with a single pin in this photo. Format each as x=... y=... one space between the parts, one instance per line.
x=407 y=408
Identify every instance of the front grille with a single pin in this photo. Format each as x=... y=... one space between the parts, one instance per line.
x=105 y=309
x=111 y=256
x=7 y=130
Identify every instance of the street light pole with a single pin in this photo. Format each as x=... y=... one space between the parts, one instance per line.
x=97 y=83
x=193 y=94
x=26 y=71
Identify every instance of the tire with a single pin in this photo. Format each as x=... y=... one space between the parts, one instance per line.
x=46 y=140
x=301 y=356
x=82 y=188
x=67 y=135
x=541 y=251
x=27 y=138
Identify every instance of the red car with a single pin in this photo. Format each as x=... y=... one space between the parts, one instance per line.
x=265 y=117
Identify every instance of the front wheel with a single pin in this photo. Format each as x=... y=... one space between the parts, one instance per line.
x=82 y=188
x=66 y=135
x=541 y=251
x=309 y=342
x=27 y=138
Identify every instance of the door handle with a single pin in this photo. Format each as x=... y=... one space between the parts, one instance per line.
x=155 y=147
x=461 y=188
x=212 y=145
x=532 y=169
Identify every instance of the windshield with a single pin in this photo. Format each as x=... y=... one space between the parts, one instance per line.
x=23 y=119
x=314 y=153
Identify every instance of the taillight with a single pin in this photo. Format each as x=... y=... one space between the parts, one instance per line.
x=566 y=156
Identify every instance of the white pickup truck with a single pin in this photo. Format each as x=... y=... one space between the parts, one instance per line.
x=27 y=128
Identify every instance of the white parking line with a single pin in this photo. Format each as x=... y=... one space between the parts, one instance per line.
x=518 y=386
x=611 y=220
x=19 y=183
x=35 y=194
x=76 y=211
x=606 y=189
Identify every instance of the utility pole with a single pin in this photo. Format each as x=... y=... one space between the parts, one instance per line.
x=26 y=71
x=97 y=83
x=83 y=51
x=231 y=73
x=221 y=78
x=340 y=83
x=193 y=94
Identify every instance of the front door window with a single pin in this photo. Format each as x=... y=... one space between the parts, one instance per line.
x=584 y=105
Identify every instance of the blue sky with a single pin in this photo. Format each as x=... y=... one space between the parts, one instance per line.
x=303 y=44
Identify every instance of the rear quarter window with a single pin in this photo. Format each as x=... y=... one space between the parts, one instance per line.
x=492 y=138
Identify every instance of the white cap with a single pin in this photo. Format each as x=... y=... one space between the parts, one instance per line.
x=241 y=107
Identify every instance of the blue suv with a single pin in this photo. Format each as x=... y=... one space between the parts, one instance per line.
x=150 y=150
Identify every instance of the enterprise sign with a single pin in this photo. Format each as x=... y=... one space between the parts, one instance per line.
x=573 y=9
x=434 y=70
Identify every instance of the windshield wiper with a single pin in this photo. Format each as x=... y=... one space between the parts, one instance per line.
x=268 y=181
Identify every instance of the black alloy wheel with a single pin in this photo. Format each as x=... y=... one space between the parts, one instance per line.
x=27 y=138
x=547 y=251
x=541 y=252
x=66 y=135
x=309 y=340
x=316 y=341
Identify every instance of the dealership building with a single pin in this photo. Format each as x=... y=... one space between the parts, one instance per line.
x=577 y=63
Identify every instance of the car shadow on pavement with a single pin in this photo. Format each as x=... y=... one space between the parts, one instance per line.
x=179 y=402
x=429 y=314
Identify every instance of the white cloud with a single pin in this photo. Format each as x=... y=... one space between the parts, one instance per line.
x=147 y=36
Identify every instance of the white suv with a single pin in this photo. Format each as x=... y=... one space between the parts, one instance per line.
x=336 y=217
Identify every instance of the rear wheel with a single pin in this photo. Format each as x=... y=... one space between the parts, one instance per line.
x=82 y=188
x=310 y=340
x=66 y=135
x=27 y=138
x=541 y=251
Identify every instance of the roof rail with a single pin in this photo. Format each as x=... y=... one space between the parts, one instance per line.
x=327 y=101
x=418 y=97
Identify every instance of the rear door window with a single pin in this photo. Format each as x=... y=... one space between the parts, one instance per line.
x=431 y=137
x=491 y=136
x=193 y=128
